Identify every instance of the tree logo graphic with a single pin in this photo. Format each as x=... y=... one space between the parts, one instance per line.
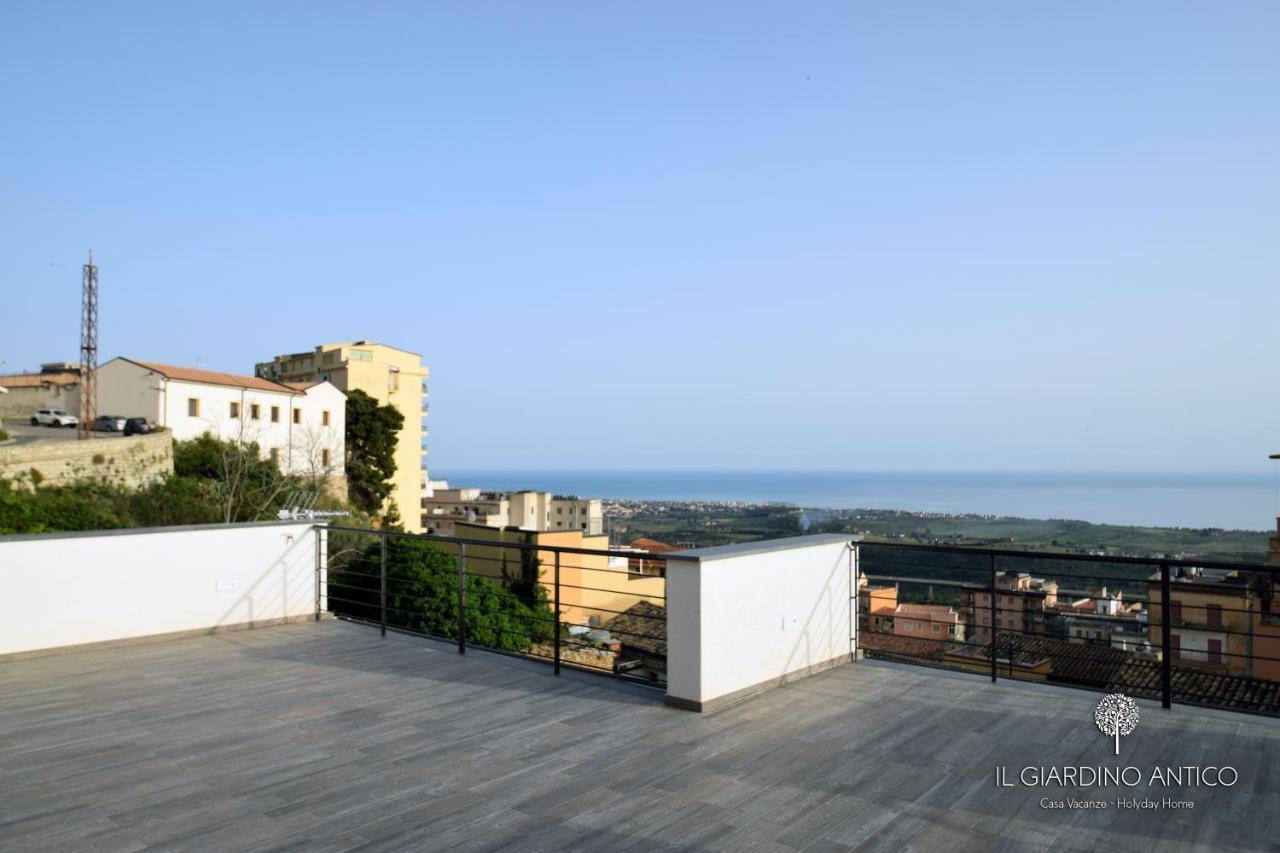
x=1116 y=715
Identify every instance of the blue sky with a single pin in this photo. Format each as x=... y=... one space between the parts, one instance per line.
x=1021 y=236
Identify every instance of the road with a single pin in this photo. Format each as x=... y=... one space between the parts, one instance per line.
x=25 y=433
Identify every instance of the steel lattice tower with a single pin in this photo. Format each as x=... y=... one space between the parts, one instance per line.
x=88 y=347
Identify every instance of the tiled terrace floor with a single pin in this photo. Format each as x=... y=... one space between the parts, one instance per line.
x=323 y=736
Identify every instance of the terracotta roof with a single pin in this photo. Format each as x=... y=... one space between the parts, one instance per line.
x=641 y=626
x=210 y=377
x=653 y=546
x=38 y=380
x=892 y=646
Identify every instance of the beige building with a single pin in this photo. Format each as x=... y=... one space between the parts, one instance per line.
x=591 y=590
x=527 y=510
x=1210 y=615
x=56 y=386
x=389 y=375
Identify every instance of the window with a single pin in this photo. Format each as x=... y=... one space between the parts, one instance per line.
x=324 y=458
x=235 y=410
x=1175 y=612
x=255 y=411
x=1215 y=652
x=360 y=355
x=324 y=418
x=193 y=407
x=936 y=629
x=297 y=416
x=330 y=357
x=1213 y=615
x=275 y=414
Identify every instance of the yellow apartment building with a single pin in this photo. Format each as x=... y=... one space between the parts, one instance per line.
x=389 y=375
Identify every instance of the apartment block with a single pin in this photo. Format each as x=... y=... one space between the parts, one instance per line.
x=1021 y=601
x=1210 y=614
x=301 y=426
x=876 y=606
x=526 y=510
x=389 y=375
x=928 y=622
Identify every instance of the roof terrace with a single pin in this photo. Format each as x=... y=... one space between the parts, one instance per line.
x=136 y=712
x=327 y=736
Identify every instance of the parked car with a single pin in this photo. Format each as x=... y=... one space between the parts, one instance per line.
x=109 y=423
x=138 y=426
x=54 y=418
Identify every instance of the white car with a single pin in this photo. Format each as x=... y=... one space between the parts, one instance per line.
x=54 y=418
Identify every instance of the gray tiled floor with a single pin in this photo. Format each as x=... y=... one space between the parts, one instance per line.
x=323 y=736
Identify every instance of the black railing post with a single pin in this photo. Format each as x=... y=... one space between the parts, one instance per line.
x=1166 y=653
x=557 y=609
x=462 y=598
x=382 y=597
x=321 y=544
x=994 y=636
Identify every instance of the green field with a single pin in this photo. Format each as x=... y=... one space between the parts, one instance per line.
x=700 y=524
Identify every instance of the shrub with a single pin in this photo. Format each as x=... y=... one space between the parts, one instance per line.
x=422 y=595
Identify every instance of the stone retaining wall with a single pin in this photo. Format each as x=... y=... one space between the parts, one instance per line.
x=129 y=461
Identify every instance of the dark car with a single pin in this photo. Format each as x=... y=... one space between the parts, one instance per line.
x=138 y=426
x=109 y=423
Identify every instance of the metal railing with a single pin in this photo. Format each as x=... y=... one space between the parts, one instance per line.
x=1187 y=631
x=513 y=593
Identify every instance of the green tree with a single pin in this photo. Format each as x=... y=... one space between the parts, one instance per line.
x=372 y=433
x=244 y=485
x=422 y=595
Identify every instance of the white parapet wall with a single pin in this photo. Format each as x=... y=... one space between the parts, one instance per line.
x=76 y=589
x=742 y=619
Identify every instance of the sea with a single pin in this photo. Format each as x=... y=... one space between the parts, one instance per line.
x=1229 y=501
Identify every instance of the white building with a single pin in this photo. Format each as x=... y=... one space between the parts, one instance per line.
x=527 y=510
x=302 y=427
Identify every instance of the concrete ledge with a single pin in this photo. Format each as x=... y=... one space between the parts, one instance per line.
x=719 y=703
x=160 y=638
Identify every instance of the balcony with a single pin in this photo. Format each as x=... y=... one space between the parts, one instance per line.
x=322 y=733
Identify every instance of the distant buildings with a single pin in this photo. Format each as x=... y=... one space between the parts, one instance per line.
x=928 y=622
x=1210 y=618
x=526 y=510
x=591 y=591
x=56 y=386
x=876 y=606
x=299 y=426
x=389 y=375
x=1021 y=601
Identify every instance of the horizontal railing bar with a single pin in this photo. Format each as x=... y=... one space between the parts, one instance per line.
x=1154 y=562
x=526 y=546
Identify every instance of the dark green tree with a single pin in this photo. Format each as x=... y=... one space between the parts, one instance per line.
x=422 y=595
x=245 y=486
x=372 y=433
